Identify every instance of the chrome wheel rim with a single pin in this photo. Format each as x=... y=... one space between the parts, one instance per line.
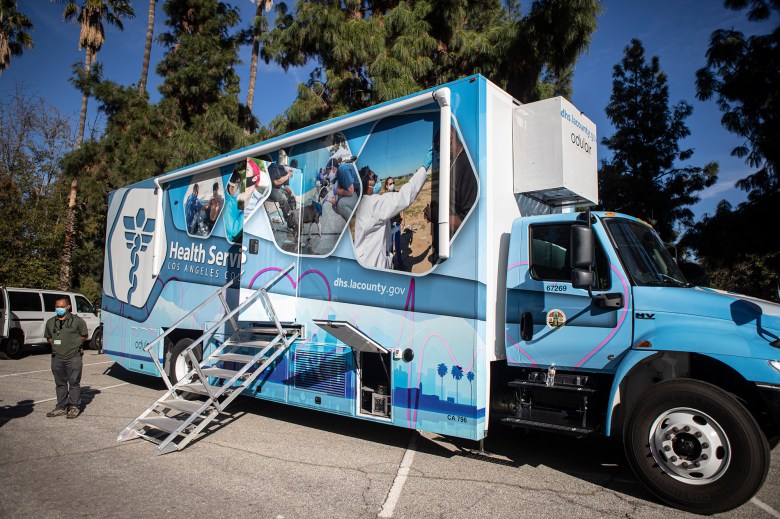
x=690 y=446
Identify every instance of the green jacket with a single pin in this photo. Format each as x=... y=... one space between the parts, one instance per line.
x=66 y=335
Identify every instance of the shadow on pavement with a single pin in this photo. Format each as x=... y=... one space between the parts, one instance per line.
x=20 y=410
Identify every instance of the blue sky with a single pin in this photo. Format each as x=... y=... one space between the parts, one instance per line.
x=677 y=31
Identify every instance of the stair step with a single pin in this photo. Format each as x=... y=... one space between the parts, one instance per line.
x=544 y=426
x=219 y=373
x=199 y=387
x=162 y=423
x=556 y=387
x=248 y=343
x=185 y=406
x=234 y=357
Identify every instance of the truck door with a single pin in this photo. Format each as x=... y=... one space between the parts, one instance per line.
x=5 y=319
x=548 y=321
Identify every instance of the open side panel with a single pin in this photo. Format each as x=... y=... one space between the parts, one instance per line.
x=350 y=336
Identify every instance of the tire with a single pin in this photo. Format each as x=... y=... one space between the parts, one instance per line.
x=178 y=365
x=96 y=343
x=14 y=344
x=732 y=464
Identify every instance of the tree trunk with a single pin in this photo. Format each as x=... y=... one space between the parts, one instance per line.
x=250 y=91
x=67 y=247
x=148 y=48
x=83 y=118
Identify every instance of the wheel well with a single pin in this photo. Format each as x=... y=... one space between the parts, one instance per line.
x=670 y=365
x=179 y=334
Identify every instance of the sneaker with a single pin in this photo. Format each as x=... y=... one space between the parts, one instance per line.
x=57 y=411
x=73 y=412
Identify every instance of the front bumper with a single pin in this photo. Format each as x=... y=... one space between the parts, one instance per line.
x=771 y=396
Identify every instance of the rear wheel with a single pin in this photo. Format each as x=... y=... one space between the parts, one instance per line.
x=179 y=365
x=696 y=447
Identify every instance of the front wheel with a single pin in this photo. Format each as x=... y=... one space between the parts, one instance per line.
x=13 y=345
x=97 y=340
x=696 y=447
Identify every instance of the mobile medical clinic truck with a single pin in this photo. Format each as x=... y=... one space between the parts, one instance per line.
x=282 y=271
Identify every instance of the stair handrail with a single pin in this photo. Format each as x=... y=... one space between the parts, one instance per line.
x=249 y=300
x=167 y=332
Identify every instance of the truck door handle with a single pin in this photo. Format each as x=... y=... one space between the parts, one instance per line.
x=526 y=326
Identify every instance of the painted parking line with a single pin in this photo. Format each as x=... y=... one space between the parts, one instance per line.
x=49 y=370
x=90 y=390
x=765 y=507
x=400 y=479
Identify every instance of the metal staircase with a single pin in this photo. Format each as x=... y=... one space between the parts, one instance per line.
x=203 y=393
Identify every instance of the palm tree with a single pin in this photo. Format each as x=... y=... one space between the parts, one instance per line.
x=442 y=371
x=470 y=378
x=148 y=47
x=13 y=36
x=90 y=15
x=259 y=30
x=457 y=374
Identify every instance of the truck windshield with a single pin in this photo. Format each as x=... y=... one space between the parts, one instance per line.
x=644 y=254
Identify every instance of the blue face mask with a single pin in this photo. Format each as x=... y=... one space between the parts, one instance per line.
x=61 y=312
x=377 y=187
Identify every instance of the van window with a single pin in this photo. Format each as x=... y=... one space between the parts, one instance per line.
x=24 y=301
x=550 y=258
x=50 y=299
x=83 y=306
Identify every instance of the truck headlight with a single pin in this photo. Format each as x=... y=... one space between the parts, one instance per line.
x=775 y=364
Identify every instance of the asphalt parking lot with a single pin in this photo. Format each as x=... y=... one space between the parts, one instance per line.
x=280 y=462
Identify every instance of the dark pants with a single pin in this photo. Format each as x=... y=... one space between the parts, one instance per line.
x=67 y=379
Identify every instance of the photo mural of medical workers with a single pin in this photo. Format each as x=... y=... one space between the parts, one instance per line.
x=233 y=215
x=203 y=203
x=314 y=190
x=395 y=224
x=257 y=186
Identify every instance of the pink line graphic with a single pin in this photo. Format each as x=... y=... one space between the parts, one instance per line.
x=521 y=350
x=293 y=282
x=620 y=322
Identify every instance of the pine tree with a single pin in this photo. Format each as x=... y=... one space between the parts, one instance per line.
x=373 y=51
x=645 y=177
x=733 y=245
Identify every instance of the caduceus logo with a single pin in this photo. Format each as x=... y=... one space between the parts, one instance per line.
x=138 y=233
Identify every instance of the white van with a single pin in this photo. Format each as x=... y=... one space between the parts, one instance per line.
x=24 y=312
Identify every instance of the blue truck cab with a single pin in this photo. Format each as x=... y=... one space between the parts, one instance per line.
x=604 y=333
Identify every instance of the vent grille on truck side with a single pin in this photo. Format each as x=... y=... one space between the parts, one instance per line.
x=321 y=372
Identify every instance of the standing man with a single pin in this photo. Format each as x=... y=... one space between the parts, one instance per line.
x=66 y=333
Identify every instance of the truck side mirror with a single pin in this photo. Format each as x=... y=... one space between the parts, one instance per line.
x=581 y=278
x=583 y=248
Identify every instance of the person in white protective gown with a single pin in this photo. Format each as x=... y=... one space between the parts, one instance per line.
x=374 y=213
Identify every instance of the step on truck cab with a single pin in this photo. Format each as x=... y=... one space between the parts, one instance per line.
x=471 y=294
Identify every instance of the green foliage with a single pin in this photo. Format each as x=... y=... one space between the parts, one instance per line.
x=198 y=117
x=738 y=247
x=34 y=136
x=742 y=74
x=14 y=37
x=373 y=51
x=643 y=177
